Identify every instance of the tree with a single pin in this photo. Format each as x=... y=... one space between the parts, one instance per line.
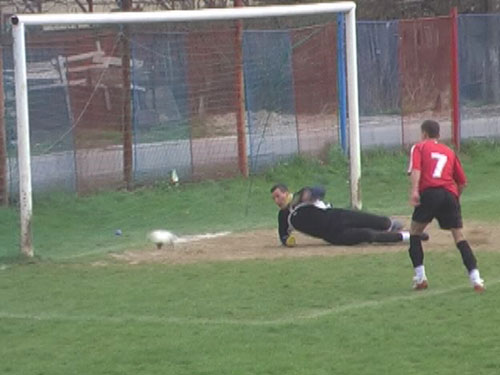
x=59 y=6
x=398 y=9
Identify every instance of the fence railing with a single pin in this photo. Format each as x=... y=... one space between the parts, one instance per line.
x=183 y=94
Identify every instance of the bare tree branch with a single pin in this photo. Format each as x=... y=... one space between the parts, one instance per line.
x=82 y=7
x=163 y=4
x=27 y=6
x=59 y=6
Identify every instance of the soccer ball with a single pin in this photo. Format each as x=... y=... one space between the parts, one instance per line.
x=162 y=237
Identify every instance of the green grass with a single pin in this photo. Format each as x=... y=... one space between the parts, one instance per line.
x=349 y=314
x=164 y=132
x=313 y=316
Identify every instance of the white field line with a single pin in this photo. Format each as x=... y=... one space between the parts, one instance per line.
x=183 y=239
x=300 y=317
x=199 y=237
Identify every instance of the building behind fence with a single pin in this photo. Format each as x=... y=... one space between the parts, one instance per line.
x=180 y=88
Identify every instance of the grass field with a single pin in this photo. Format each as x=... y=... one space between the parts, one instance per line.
x=65 y=313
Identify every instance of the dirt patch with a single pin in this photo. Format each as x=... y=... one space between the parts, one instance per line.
x=264 y=244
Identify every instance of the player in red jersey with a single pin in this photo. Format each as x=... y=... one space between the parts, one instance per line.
x=437 y=180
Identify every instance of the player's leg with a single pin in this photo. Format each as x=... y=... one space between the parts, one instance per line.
x=354 y=236
x=359 y=219
x=422 y=216
x=450 y=218
x=469 y=260
x=463 y=246
x=416 y=253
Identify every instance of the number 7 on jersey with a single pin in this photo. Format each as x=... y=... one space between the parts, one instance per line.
x=441 y=162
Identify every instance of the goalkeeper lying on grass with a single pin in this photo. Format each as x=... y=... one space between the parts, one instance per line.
x=306 y=212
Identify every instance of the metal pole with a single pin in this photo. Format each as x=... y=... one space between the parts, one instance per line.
x=353 y=106
x=4 y=191
x=240 y=96
x=184 y=15
x=23 y=138
x=127 y=97
x=455 y=78
x=341 y=81
x=63 y=73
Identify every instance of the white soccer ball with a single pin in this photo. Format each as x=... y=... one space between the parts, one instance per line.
x=162 y=237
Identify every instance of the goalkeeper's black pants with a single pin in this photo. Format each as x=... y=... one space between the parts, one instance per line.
x=349 y=227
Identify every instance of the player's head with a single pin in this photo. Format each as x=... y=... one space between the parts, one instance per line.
x=281 y=195
x=430 y=129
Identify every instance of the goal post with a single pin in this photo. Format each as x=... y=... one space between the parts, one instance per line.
x=23 y=138
x=19 y=22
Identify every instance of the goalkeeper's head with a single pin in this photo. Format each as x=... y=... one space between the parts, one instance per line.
x=281 y=195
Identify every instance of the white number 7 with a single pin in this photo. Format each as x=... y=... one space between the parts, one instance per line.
x=441 y=162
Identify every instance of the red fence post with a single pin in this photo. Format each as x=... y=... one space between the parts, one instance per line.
x=240 y=97
x=455 y=91
x=401 y=81
x=127 y=97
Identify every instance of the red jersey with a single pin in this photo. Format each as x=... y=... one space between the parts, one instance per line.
x=438 y=165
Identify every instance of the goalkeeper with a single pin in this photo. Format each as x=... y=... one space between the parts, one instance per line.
x=306 y=212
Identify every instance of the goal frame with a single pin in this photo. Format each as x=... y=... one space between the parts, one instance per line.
x=19 y=50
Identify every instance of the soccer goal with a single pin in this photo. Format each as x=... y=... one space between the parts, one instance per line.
x=120 y=99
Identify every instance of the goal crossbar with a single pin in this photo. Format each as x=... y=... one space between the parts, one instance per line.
x=184 y=15
x=19 y=51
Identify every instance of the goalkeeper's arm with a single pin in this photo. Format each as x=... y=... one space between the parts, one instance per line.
x=286 y=238
x=318 y=193
x=308 y=195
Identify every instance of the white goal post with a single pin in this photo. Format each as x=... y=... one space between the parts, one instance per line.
x=23 y=135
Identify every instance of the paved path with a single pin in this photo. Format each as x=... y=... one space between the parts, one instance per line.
x=104 y=167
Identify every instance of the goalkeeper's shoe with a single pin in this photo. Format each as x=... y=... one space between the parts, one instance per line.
x=420 y=284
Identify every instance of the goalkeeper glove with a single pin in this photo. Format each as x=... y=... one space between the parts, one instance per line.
x=290 y=241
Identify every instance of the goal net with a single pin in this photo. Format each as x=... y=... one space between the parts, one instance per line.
x=125 y=99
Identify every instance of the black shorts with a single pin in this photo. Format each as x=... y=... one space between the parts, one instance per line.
x=441 y=204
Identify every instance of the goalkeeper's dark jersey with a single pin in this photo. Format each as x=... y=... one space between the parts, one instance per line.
x=308 y=219
x=337 y=226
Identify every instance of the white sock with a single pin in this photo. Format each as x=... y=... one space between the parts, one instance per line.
x=406 y=236
x=475 y=277
x=420 y=272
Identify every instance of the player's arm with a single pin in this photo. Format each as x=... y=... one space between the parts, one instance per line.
x=460 y=189
x=414 y=173
x=459 y=176
x=284 y=230
x=318 y=192
x=415 y=181
x=308 y=195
